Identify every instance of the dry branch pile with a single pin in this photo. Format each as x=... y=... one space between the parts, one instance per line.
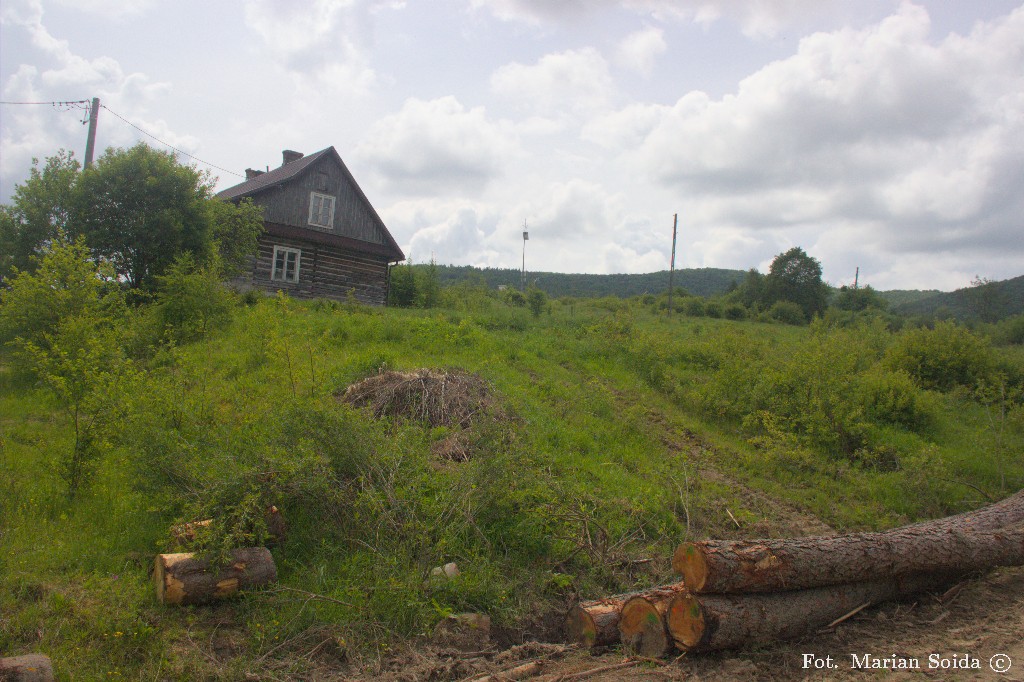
x=741 y=593
x=446 y=398
x=434 y=397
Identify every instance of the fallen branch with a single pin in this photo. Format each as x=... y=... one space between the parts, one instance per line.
x=597 y=671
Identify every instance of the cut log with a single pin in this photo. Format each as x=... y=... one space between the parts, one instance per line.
x=642 y=627
x=27 y=668
x=708 y=622
x=595 y=623
x=725 y=567
x=183 y=579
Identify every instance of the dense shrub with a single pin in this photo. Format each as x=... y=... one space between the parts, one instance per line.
x=693 y=306
x=787 y=312
x=892 y=397
x=191 y=301
x=713 y=309
x=943 y=357
x=735 y=311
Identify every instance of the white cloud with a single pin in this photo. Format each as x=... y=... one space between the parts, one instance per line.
x=574 y=80
x=859 y=128
x=324 y=40
x=639 y=50
x=755 y=18
x=55 y=72
x=437 y=146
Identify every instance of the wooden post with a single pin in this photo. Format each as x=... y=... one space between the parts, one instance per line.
x=672 y=262
x=90 y=142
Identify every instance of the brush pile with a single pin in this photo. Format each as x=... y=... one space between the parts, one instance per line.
x=453 y=399
x=744 y=593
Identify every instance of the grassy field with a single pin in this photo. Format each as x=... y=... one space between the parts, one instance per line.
x=613 y=433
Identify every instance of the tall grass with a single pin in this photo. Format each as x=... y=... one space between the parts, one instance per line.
x=618 y=417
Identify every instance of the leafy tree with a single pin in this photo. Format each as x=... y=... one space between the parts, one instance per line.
x=65 y=284
x=753 y=291
x=428 y=288
x=796 y=277
x=537 y=300
x=986 y=299
x=40 y=209
x=402 y=292
x=191 y=300
x=63 y=322
x=236 y=229
x=139 y=209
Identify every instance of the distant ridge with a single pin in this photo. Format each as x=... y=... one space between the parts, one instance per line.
x=994 y=301
x=697 y=281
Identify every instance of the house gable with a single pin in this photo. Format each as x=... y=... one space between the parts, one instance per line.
x=322 y=236
x=318 y=194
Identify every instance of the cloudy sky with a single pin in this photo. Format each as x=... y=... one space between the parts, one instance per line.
x=876 y=134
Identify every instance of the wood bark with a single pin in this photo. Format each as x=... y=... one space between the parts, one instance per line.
x=722 y=567
x=183 y=579
x=642 y=626
x=595 y=623
x=27 y=668
x=708 y=622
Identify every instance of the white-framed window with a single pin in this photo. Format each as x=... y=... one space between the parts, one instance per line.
x=321 y=209
x=286 y=264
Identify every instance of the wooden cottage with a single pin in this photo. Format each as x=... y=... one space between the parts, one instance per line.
x=323 y=239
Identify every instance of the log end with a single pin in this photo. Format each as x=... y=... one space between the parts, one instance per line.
x=688 y=561
x=641 y=628
x=685 y=620
x=580 y=627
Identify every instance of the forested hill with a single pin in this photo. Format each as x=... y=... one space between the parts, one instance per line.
x=989 y=302
x=698 y=281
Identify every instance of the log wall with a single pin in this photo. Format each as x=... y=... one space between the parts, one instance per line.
x=325 y=271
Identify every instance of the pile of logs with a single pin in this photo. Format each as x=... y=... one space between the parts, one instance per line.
x=183 y=579
x=748 y=592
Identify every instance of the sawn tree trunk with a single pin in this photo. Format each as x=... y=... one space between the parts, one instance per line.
x=722 y=567
x=706 y=622
x=183 y=579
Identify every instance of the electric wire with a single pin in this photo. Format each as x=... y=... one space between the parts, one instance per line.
x=166 y=144
x=75 y=104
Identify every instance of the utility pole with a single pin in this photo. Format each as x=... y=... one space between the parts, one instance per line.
x=672 y=263
x=856 y=278
x=522 y=275
x=90 y=143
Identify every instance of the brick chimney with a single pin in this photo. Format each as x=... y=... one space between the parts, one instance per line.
x=288 y=156
x=251 y=173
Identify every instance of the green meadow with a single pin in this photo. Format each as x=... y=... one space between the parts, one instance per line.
x=614 y=432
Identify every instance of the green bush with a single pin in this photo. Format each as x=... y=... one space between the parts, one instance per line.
x=713 y=309
x=943 y=357
x=735 y=311
x=892 y=397
x=787 y=312
x=693 y=306
x=191 y=301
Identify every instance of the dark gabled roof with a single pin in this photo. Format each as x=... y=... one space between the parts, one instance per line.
x=290 y=171
x=277 y=176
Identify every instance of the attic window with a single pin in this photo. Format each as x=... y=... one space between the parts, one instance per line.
x=286 y=264
x=321 y=210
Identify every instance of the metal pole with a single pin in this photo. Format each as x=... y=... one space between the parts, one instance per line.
x=672 y=263
x=90 y=143
x=522 y=274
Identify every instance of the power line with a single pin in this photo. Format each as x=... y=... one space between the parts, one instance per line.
x=77 y=101
x=166 y=144
x=84 y=105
